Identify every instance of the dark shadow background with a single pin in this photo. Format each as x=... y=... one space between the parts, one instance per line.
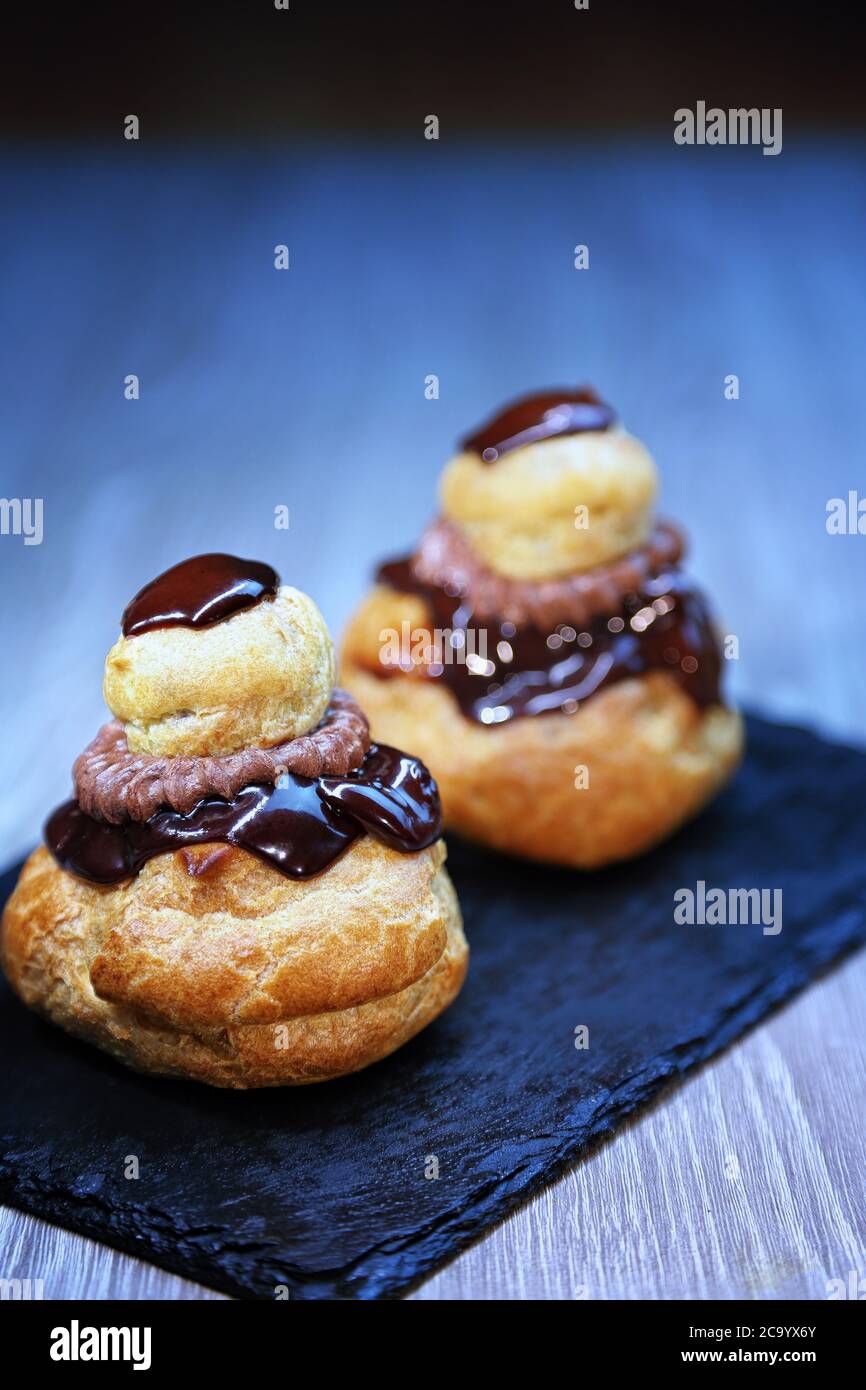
x=324 y=67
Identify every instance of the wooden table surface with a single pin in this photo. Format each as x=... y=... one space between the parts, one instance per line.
x=305 y=389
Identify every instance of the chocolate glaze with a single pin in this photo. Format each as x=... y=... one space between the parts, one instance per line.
x=299 y=827
x=664 y=625
x=541 y=416
x=197 y=592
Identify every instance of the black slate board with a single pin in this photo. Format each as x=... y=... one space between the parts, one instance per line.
x=323 y=1189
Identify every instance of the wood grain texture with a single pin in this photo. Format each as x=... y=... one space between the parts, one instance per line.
x=744 y=1182
x=307 y=389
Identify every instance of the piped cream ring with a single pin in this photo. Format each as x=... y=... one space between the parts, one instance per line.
x=524 y=513
x=257 y=678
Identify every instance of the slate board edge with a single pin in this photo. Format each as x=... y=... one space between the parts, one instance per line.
x=428 y=1248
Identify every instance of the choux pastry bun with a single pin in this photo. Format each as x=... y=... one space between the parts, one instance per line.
x=544 y=651
x=520 y=516
x=244 y=890
x=262 y=678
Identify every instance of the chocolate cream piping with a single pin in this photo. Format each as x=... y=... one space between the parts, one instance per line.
x=112 y=784
x=445 y=559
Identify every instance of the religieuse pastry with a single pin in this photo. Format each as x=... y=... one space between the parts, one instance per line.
x=245 y=890
x=543 y=651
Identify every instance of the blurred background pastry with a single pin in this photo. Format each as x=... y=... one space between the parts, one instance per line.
x=244 y=890
x=544 y=650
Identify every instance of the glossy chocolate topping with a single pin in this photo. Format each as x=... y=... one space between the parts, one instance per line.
x=298 y=827
x=113 y=784
x=537 y=417
x=498 y=671
x=198 y=592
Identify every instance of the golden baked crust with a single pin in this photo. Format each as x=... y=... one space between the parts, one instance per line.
x=653 y=757
x=257 y=678
x=211 y=965
x=519 y=513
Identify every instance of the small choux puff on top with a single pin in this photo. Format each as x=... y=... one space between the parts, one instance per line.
x=260 y=677
x=519 y=513
x=559 y=673
x=257 y=928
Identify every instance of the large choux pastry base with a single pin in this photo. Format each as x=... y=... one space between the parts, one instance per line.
x=653 y=759
x=240 y=977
